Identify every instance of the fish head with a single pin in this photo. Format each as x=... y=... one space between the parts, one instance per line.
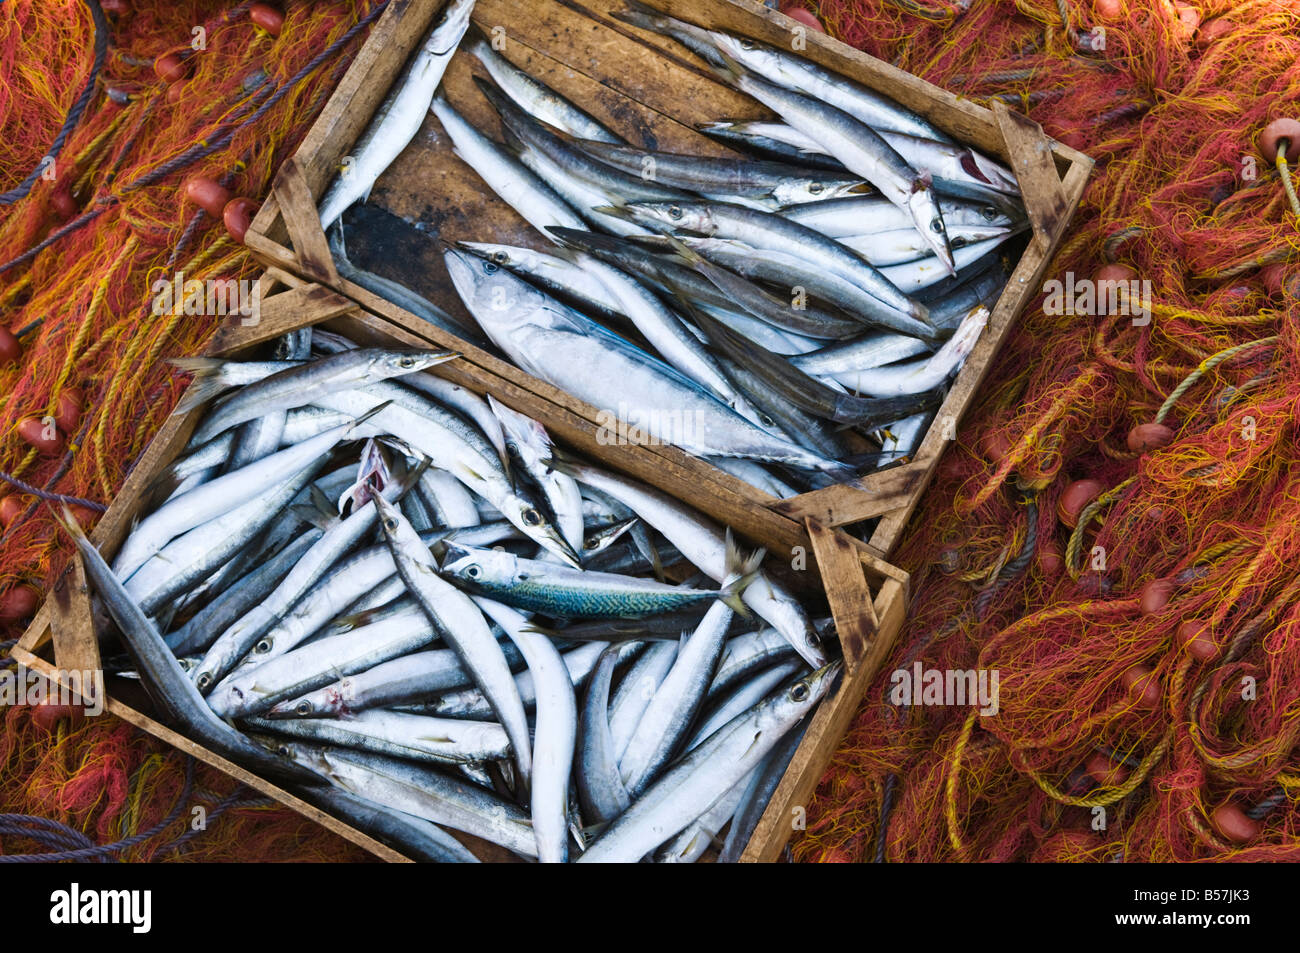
x=397 y=362
x=672 y=216
x=538 y=527
x=479 y=568
x=803 y=693
x=503 y=256
x=498 y=300
x=749 y=53
x=796 y=191
x=929 y=222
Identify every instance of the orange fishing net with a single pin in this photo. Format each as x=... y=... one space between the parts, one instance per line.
x=1113 y=739
x=79 y=254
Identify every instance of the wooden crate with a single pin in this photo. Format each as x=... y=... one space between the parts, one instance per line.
x=866 y=595
x=650 y=88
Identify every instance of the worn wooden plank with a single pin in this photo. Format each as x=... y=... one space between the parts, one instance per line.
x=850 y=599
x=71 y=622
x=303 y=223
x=789 y=803
x=844 y=503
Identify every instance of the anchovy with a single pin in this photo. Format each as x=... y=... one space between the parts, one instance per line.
x=687 y=790
x=694 y=38
x=557 y=275
x=400 y=735
x=562 y=592
x=763 y=784
x=601 y=790
x=724 y=706
x=168 y=685
x=746 y=654
x=530 y=447
x=861 y=149
x=846 y=217
x=449 y=499
x=579 y=356
x=463 y=628
x=413 y=836
x=704 y=544
x=555 y=732
x=768 y=230
x=920 y=376
x=399 y=117
x=538 y=99
x=516 y=185
x=635 y=691
x=729 y=133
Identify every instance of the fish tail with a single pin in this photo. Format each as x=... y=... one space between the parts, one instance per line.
x=741 y=571
x=639 y=14
x=208 y=380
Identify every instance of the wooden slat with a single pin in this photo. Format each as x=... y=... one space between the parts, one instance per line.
x=844 y=503
x=830 y=721
x=846 y=590
x=303 y=223
x=71 y=622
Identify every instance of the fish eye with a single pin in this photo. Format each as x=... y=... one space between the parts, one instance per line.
x=262 y=647
x=406 y=361
x=937 y=226
x=500 y=257
x=282 y=750
x=799 y=692
x=204 y=680
x=390 y=523
x=746 y=44
x=815 y=188
x=303 y=708
x=674 y=211
x=989 y=212
x=489 y=268
x=766 y=420
x=532 y=517
x=473 y=572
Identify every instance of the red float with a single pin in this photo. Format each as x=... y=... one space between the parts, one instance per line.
x=1146 y=437
x=1232 y=823
x=1142 y=686
x=1274 y=133
x=238 y=216
x=1196 y=639
x=207 y=195
x=1155 y=595
x=36 y=432
x=10 y=347
x=267 y=17
x=170 y=68
x=1076 y=496
x=20 y=602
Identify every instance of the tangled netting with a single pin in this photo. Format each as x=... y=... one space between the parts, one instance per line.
x=81 y=245
x=1112 y=739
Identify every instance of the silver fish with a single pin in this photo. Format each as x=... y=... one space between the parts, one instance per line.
x=400 y=115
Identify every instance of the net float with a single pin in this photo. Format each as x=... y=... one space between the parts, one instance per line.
x=176 y=92
x=1114 y=272
x=67 y=409
x=1155 y=595
x=995 y=445
x=1147 y=437
x=20 y=602
x=10 y=347
x=45 y=437
x=207 y=195
x=1109 y=9
x=1213 y=29
x=267 y=17
x=1076 y=496
x=1194 y=636
x=806 y=17
x=170 y=68
x=65 y=206
x=1273 y=276
x=1234 y=824
x=238 y=216
x=1105 y=771
x=1141 y=685
x=10 y=508
x=115 y=8
x=1051 y=559
x=48 y=716
x=1275 y=133
x=1189 y=20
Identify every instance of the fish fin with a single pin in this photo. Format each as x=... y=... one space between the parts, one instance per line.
x=311 y=515
x=207 y=381
x=730 y=70
x=322 y=502
x=362 y=418
x=741 y=570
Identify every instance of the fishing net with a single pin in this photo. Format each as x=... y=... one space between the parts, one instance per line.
x=1112 y=740
x=81 y=246
x=1095 y=681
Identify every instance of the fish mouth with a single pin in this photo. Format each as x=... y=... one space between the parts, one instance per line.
x=925 y=211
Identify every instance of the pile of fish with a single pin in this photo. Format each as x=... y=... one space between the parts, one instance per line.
x=395 y=597
x=802 y=304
